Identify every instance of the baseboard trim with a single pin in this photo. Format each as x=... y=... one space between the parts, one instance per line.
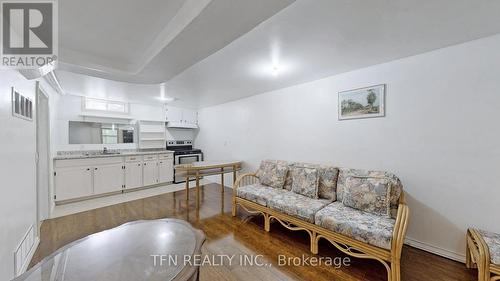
x=435 y=250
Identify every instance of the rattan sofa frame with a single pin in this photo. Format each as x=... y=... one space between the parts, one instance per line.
x=391 y=259
x=477 y=255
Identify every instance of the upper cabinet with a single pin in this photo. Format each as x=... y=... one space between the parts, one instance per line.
x=190 y=116
x=174 y=114
x=181 y=117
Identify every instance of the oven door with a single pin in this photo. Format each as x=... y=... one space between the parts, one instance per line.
x=185 y=159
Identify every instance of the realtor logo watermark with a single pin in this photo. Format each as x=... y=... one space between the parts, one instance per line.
x=29 y=34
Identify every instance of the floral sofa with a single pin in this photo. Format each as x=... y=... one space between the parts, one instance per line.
x=362 y=213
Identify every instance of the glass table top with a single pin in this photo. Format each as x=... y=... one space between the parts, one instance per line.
x=127 y=252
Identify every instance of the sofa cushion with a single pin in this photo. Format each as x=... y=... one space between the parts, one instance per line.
x=272 y=173
x=328 y=176
x=296 y=205
x=257 y=193
x=362 y=226
x=327 y=182
x=396 y=186
x=368 y=194
x=288 y=179
x=493 y=241
x=305 y=181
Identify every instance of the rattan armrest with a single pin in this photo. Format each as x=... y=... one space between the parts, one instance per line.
x=399 y=232
x=241 y=179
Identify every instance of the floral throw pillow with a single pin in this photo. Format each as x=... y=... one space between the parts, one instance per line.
x=305 y=181
x=369 y=194
x=272 y=173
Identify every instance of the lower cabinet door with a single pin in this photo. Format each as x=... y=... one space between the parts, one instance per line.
x=72 y=182
x=166 y=170
x=108 y=178
x=150 y=172
x=133 y=175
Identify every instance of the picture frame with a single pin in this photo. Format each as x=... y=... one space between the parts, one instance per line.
x=366 y=102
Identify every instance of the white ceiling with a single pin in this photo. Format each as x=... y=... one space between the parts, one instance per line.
x=84 y=85
x=111 y=33
x=315 y=39
x=207 y=64
x=151 y=41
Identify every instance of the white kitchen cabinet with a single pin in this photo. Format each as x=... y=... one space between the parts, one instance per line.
x=181 y=117
x=174 y=114
x=108 y=178
x=190 y=116
x=73 y=182
x=165 y=170
x=150 y=172
x=133 y=175
x=84 y=177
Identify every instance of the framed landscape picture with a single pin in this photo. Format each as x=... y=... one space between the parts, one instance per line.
x=362 y=103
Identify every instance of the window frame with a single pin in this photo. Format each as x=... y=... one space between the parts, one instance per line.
x=85 y=100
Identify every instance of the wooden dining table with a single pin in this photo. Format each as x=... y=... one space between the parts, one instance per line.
x=200 y=169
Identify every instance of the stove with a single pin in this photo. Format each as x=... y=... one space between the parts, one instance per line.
x=184 y=153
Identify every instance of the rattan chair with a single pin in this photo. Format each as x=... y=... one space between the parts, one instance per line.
x=483 y=253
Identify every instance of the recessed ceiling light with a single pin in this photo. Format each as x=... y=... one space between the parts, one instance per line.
x=272 y=70
x=275 y=70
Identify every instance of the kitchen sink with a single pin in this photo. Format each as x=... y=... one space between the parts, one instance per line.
x=101 y=153
x=109 y=153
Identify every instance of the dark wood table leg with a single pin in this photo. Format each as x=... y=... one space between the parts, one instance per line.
x=234 y=174
x=222 y=203
x=197 y=189
x=187 y=186
x=222 y=180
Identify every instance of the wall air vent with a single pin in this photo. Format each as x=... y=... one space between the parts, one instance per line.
x=24 y=251
x=22 y=107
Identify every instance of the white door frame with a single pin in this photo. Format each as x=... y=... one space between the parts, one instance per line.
x=39 y=215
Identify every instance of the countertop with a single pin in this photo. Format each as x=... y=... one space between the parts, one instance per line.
x=96 y=154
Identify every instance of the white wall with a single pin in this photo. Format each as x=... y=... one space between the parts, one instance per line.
x=70 y=109
x=440 y=135
x=17 y=170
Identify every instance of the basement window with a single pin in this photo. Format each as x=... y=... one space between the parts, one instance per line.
x=105 y=105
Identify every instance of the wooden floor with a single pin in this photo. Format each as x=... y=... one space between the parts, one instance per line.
x=242 y=235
